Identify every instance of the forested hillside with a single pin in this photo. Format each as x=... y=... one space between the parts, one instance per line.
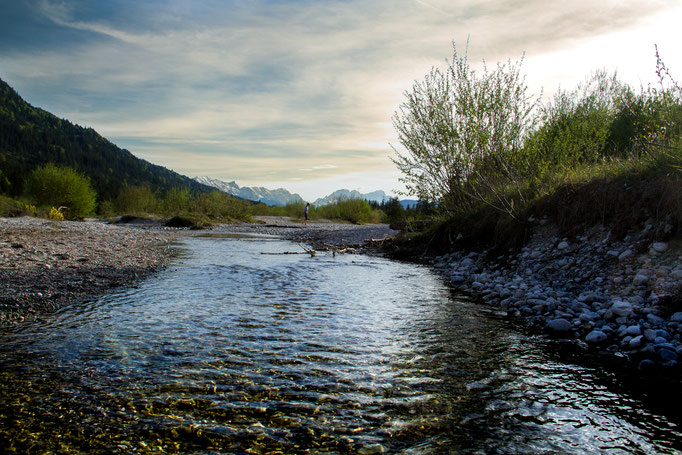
x=31 y=137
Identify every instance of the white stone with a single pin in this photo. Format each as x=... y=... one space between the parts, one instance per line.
x=660 y=247
x=563 y=245
x=621 y=309
x=624 y=255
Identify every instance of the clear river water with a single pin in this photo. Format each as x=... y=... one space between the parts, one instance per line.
x=234 y=351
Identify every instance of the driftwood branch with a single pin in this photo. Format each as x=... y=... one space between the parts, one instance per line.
x=309 y=251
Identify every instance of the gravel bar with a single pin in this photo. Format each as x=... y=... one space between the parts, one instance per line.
x=47 y=264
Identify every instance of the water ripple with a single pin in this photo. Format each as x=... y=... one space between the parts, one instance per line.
x=233 y=351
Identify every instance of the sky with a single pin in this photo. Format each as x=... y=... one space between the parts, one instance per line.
x=300 y=94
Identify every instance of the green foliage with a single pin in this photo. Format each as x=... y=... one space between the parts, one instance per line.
x=292 y=210
x=219 y=205
x=352 y=210
x=136 y=200
x=392 y=209
x=464 y=134
x=11 y=207
x=473 y=139
x=50 y=185
x=578 y=127
x=176 y=200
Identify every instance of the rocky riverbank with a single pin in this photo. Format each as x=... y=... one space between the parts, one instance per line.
x=46 y=264
x=616 y=297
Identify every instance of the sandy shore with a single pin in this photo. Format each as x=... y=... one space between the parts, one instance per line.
x=45 y=264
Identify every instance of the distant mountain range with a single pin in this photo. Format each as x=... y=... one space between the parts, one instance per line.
x=281 y=196
x=336 y=196
x=31 y=137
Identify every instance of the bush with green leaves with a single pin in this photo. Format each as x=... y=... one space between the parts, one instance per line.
x=220 y=205
x=576 y=125
x=352 y=210
x=464 y=135
x=57 y=187
x=136 y=200
x=176 y=200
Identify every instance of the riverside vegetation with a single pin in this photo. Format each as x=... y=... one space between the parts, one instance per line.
x=564 y=214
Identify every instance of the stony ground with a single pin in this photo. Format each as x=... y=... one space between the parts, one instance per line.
x=617 y=297
x=321 y=234
x=45 y=264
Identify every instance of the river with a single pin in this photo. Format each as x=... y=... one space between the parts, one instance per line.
x=231 y=350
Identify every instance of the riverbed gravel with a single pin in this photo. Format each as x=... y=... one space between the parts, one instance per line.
x=47 y=264
x=618 y=297
x=320 y=234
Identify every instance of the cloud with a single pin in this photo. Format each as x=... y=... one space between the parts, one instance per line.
x=250 y=90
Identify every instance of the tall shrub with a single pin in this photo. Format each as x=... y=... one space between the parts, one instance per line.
x=58 y=187
x=577 y=125
x=463 y=135
x=176 y=200
x=136 y=200
x=219 y=205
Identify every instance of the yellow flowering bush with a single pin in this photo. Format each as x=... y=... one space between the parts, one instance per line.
x=55 y=214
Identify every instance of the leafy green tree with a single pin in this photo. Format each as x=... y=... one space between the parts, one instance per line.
x=393 y=209
x=176 y=200
x=463 y=135
x=58 y=187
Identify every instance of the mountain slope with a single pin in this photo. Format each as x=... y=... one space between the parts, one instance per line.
x=31 y=137
x=280 y=196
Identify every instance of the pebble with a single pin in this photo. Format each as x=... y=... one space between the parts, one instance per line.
x=61 y=275
x=558 y=326
x=621 y=309
x=636 y=342
x=634 y=330
x=660 y=247
x=596 y=336
x=625 y=255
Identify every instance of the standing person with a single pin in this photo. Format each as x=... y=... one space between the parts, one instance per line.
x=305 y=213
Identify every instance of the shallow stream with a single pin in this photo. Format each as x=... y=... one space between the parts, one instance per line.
x=235 y=351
